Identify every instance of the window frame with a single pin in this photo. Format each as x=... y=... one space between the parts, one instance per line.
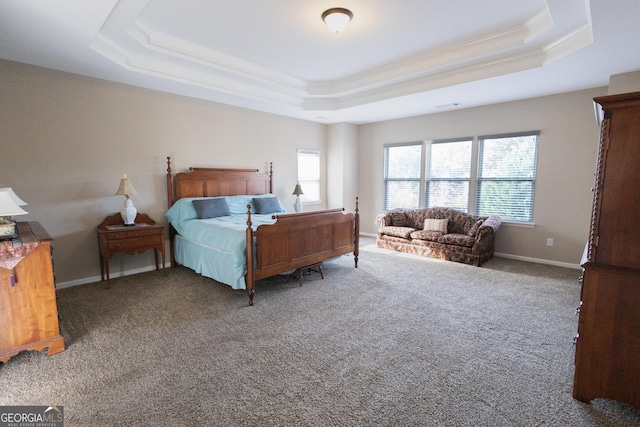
x=427 y=170
x=387 y=180
x=304 y=198
x=475 y=180
x=531 y=179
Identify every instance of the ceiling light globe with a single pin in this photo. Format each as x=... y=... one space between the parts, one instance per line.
x=337 y=19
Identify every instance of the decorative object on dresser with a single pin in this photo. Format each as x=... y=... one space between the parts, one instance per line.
x=608 y=342
x=116 y=237
x=258 y=228
x=297 y=191
x=128 y=211
x=9 y=207
x=28 y=309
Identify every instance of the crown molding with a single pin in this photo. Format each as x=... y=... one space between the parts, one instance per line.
x=507 y=50
x=569 y=43
x=478 y=71
x=431 y=61
x=214 y=60
x=186 y=75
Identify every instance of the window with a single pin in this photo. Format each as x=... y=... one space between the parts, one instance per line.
x=402 y=168
x=501 y=181
x=448 y=174
x=309 y=175
x=507 y=175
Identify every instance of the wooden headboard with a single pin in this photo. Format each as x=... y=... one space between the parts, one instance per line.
x=212 y=182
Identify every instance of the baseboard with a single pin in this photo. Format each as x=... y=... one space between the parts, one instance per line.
x=539 y=261
x=93 y=279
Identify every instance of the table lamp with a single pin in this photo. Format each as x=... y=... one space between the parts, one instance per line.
x=297 y=206
x=9 y=207
x=128 y=211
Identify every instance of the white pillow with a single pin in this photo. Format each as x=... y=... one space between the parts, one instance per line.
x=431 y=224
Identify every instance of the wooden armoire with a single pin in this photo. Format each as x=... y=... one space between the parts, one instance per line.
x=607 y=360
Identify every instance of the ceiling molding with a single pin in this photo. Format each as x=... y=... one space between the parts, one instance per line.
x=569 y=43
x=216 y=61
x=430 y=61
x=506 y=50
x=482 y=70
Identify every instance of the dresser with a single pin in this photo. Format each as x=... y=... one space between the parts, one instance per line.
x=114 y=237
x=28 y=308
x=607 y=359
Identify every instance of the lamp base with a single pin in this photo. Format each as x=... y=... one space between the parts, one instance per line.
x=297 y=206
x=129 y=213
x=7 y=230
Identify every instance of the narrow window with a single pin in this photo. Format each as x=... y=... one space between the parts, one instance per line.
x=309 y=175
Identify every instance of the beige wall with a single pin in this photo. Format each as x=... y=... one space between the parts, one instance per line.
x=342 y=172
x=623 y=83
x=566 y=163
x=66 y=140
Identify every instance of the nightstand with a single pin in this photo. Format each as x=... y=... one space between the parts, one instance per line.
x=114 y=237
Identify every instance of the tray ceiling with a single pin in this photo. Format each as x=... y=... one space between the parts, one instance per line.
x=395 y=59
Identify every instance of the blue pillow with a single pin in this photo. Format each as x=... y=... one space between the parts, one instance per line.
x=211 y=208
x=266 y=205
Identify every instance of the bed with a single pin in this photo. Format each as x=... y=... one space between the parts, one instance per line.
x=216 y=241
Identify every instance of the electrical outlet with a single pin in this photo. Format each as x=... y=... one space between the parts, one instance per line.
x=549 y=241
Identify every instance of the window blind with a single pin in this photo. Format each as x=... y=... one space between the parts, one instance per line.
x=448 y=174
x=507 y=175
x=402 y=168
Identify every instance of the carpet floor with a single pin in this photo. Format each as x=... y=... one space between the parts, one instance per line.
x=399 y=341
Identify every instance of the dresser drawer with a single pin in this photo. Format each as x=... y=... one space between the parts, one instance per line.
x=134 y=243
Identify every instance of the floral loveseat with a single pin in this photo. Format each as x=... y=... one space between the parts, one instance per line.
x=442 y=233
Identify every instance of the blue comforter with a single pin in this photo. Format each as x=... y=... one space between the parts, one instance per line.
x=215 y=247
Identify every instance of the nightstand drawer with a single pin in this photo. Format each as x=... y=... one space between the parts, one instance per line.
x=140 y=242
x=134 y=233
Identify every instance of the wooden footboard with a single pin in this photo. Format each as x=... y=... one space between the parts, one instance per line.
x=298 y=240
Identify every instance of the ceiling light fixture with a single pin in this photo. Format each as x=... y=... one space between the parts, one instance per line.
x=337 y=18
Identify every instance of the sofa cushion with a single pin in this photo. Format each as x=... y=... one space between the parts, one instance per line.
x=432 y=224
x=429 y=235
x=404 y=232
x=457 y=239
x=474 y=228
x=398 y=219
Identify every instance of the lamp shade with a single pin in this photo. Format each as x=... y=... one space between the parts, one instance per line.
x=17 y=200
x=8 y=207
x=298 y=190
x=125 y=188
x=337 y=19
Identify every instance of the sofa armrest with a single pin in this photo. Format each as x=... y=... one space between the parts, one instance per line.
x=489 y=226
x=384 y=219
